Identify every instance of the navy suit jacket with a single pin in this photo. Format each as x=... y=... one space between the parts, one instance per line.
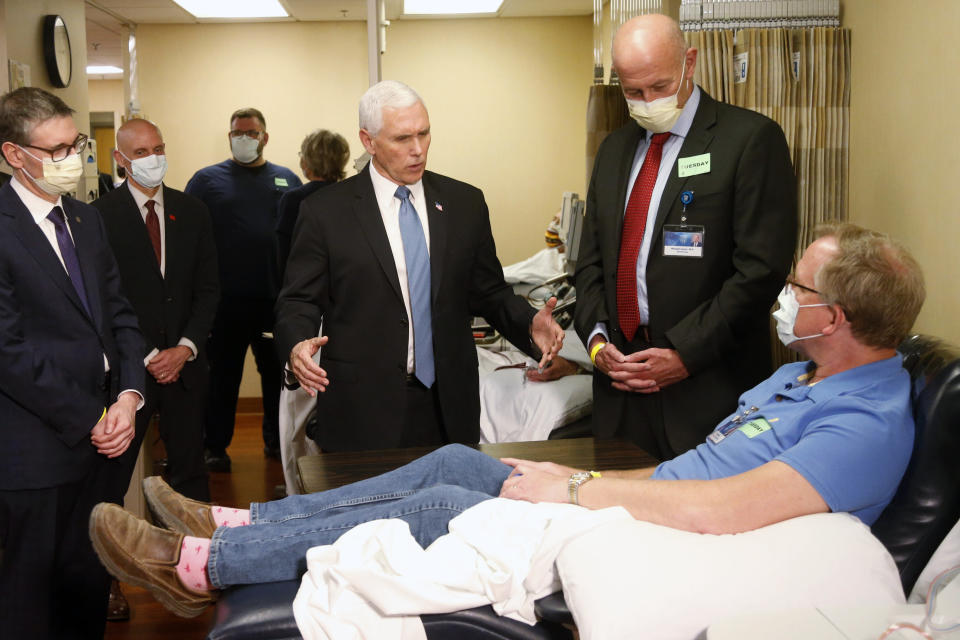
x=52 y=389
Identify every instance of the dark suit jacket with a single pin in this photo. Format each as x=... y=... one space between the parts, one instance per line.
x=51 y=350
x=341 y=269
x=182 y=303
x=288 y=210
x=713 y=310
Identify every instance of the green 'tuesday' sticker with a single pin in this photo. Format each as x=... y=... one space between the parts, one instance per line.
x=755 y=427
x=693 y=166
x=280 y=182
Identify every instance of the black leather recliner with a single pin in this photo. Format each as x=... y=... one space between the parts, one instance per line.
x=922 y=512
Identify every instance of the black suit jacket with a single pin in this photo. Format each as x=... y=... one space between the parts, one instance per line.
x=51 y=351
x=713 y=310
x=341 y=270
x=184 y=301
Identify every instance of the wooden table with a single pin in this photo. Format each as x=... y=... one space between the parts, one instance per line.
x=330 y=470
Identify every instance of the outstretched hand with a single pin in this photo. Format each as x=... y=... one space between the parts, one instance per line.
x=546 y=333
x=309 y=374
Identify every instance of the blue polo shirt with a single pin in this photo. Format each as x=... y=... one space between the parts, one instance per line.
x=850 y=435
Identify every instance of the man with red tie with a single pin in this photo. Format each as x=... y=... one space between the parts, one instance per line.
x=163 y=241
x=677 y=334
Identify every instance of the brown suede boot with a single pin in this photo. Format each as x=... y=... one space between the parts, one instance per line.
x=176 y=512
x=140 y=554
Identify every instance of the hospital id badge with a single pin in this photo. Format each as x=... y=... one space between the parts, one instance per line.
x=683 y=241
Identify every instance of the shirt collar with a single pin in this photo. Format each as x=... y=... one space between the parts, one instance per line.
x=141 y=198
x=38 y=207
x=845 y=381
x=385 y=190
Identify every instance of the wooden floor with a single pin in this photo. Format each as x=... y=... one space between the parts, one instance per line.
x=253 y=479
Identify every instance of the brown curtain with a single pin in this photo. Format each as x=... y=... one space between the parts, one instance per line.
x=606 y=112
x=801 y=79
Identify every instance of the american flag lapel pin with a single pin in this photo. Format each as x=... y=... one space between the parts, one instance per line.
x=171 y=217
x=438 y=206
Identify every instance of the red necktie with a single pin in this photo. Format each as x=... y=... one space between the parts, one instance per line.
x=634 y=225
x=153 y=228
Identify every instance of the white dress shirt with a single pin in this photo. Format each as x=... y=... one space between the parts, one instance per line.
x=384 y=190
x=141 y=199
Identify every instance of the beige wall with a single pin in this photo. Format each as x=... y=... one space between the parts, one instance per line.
x=107 y=95
x=904 y=154
x=23 y=32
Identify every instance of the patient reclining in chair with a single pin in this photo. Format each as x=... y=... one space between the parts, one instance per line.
x=831 y=433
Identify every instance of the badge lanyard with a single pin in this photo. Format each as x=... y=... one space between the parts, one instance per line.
x=735 y=422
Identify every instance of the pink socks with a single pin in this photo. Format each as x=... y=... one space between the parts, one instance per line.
x=192 y=568
x=227 y=517
x=194 y=552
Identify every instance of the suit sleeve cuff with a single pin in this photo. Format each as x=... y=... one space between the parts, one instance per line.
x=188 y=343
x=139 y=395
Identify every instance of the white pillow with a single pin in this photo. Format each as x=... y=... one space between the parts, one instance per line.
x=640 y=580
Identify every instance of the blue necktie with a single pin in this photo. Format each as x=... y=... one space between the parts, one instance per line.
x=69 y=254
x=418 y=284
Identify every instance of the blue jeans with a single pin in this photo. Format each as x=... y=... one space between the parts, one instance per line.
x=427 y=494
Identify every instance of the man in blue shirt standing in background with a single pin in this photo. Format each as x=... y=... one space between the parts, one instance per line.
x=242 y=194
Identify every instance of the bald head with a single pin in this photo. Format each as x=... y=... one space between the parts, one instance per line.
x=652 y=59
x=138 y=139
x=133 y=129
x=648 y=39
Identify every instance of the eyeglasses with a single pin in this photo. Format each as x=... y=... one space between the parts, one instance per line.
x=63 y=151
x=792 y=283
x=250 y=133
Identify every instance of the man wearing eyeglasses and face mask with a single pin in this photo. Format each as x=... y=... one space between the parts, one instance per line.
x=677 y=331
x=242 y=194
x=71 y=376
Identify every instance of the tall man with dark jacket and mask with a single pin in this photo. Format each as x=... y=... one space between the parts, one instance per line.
x=691 y=224
x=242 y=194
x=163 y=243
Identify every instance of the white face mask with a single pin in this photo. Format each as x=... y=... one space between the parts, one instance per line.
x=245 y=149
x=786 y=316
x=657 y=116
x=59 y=178
x=148 y=171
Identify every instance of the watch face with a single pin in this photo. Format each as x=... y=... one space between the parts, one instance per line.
x=61 y=45
x=56 y=50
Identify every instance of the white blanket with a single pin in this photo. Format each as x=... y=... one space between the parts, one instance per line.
x=376 y=580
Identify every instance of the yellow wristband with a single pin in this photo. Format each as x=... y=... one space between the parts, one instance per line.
x=102 y=415
x=595 y=474
x=595 y=351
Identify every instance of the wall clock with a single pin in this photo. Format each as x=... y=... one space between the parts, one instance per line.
x=56 y=50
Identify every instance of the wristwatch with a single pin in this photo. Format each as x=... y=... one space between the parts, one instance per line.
x=577 y=479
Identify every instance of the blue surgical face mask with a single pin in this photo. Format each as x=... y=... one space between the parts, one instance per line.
x=786 y=316
x=245 y=149
x=148 y=171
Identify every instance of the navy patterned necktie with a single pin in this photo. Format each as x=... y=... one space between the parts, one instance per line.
x=69 y=254
x=418 y=285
